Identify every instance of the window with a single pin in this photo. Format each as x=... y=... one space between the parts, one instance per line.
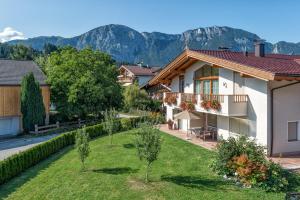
x=292 y=131
x=181 y=84
x=206 y=80
x=198 y=87
x=239 y=126
x=215 y=86
x=206 y=87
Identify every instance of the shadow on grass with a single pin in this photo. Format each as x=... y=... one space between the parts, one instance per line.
x=116 y=170
x=196 y=182
x=128 y=146
x=12 y=185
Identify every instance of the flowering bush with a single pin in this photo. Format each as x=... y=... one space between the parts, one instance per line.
x=244 y=160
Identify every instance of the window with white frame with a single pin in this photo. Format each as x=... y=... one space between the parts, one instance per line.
x=293 y=131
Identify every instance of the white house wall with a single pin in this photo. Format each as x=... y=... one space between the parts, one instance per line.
x=286 y=109
x=257 y=91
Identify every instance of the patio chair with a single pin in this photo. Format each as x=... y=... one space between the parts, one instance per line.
x=197 y=131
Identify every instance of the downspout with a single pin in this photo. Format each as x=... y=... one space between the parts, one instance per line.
x=272 y=110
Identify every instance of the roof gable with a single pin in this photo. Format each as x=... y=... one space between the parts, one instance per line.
x=141 y=71
x=13 y=71
x=270 y=67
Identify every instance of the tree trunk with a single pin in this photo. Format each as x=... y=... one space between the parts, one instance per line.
x=147 y=172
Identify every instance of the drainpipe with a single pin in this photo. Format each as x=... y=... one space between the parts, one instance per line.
x=272 y=110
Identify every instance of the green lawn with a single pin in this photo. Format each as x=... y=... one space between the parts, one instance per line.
x=182 y=172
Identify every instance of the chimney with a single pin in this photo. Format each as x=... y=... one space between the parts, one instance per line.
x=259 y=49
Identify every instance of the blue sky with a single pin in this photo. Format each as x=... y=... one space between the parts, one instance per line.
x=272 y=20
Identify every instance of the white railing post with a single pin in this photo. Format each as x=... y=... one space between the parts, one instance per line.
x=198 y=99
x=57 y=124
x=179 y=99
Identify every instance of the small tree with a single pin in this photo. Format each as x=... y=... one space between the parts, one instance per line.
x=32 y=106
x=109 y=123
x=82 y=145
x=148 y=144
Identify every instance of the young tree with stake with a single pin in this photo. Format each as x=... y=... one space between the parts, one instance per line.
x=109 y=123
x=148 y=144
x=82 y=145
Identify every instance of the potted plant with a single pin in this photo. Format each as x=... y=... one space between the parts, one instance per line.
x=205 y=104
x=190 y=106
x=215 y=104
x=170 y=124
x=172 y=99
x=194 y=100
x=183 y=105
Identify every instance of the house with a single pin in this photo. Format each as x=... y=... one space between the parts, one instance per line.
x=253 y=94
x=141 y=74
x=11 y=75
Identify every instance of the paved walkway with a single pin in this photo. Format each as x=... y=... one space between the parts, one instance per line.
x=12 y=146
x=207 y=144
x=287 y=162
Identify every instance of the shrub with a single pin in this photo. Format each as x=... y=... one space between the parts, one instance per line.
x=245 y=160
x=14 y=165
x=156 y=118
x=228 y=149
x=126 y=124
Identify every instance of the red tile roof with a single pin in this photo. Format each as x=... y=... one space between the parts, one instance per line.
x=142 y=71
x=278 y=64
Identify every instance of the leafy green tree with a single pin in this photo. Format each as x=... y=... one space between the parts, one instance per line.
x=148 y=144
x=109 y=122
x=21 y=52
x=134 y=97
x=82 y=81
x=82 y=145
x=32 y=106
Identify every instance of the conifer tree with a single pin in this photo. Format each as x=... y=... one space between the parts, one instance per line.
x=32 y=106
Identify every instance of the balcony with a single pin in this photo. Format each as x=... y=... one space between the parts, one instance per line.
x=225 y=105
x=125 y=79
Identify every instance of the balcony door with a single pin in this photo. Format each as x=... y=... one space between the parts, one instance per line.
x=206 y=80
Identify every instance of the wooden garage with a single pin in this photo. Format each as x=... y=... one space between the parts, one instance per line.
x=11 y=75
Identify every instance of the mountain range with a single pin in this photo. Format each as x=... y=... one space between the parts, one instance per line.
x=128 y=45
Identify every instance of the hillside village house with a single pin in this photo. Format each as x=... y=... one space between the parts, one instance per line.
x=254 y=94
x=11 y=75
x=141 y=74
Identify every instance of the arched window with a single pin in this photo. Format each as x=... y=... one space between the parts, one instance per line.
x=206 y=80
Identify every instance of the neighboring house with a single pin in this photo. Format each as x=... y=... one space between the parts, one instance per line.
x=259 y=94
x=11 y=75
x=156 y=91
x=141 y=74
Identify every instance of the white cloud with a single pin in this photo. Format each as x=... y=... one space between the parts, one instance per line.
x=11 y=34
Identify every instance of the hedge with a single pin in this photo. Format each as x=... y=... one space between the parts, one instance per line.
x=15 y=164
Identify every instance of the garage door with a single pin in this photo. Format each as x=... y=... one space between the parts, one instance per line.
x=9 y=126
